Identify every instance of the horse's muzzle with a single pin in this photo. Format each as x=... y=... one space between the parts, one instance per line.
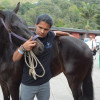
x=38 y=50
x=41 y=49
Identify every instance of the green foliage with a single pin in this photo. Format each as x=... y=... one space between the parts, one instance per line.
x=2 y=7
x=88 y=11
x=65 y=13
x=97 y=18
x=25 y=7
x=5 y=4
x=74 y=13
x=65 y=5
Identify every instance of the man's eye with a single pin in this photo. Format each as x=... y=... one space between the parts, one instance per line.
x=43 y=28
x=40 y=27
x=46 y=29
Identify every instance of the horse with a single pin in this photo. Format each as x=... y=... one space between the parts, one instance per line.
x=69 y=55
x=13 y=32
x=74 y=58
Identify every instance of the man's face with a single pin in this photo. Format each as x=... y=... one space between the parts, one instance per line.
x=90 y=38
x=42 y=29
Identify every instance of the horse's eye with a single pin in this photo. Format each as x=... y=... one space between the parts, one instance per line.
x=15 y=27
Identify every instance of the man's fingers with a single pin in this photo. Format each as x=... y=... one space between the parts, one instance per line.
x=31 y=38
x=32 y=42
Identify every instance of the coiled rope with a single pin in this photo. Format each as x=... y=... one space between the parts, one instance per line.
x=33 y=63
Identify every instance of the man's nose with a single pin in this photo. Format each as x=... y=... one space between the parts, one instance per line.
x=42 y=31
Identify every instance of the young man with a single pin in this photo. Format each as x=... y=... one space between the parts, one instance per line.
x=92 y=44
x=39 y=87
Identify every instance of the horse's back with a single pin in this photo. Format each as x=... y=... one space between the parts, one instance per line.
x=74 y=46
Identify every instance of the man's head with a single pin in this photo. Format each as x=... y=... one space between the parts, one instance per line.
x=45 y=18
x=90 y=37
x=43 y=24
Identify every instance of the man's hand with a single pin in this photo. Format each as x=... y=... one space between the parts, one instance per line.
x=29 y=44
x=71 y=35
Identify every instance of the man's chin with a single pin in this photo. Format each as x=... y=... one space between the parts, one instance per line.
x=42 y=36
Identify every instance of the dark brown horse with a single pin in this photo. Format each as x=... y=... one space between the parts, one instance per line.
x=73 y=57
x=70 y=56
x=13 y=33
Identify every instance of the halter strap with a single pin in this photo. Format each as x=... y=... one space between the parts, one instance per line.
x=17 y=36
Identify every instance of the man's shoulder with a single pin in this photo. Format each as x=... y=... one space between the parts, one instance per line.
x=51 y=33
x=89 y=42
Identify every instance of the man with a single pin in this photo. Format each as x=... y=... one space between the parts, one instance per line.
x=39 y=87
x=92 y=44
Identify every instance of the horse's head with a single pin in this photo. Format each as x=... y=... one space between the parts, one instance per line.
x=17 y=26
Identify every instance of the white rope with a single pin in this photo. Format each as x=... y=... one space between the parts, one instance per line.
x=33 y=63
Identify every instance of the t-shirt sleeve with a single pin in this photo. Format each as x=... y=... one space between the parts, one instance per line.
x=52 y=34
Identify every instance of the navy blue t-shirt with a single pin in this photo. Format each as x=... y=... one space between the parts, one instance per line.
x=45 y=59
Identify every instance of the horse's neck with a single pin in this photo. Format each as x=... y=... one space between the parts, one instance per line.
x=6 y=48
x=6 y=51
x=55 y=48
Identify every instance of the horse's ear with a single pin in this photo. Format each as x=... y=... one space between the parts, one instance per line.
x=2 y=15
x=17 y=8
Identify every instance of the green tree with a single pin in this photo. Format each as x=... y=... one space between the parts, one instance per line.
x=74 y=13
x=5 y=4
x=65 y=13
x=1 y=7
x=98 y=21
x=88 y=12
x=49 y=8
x=25 y=7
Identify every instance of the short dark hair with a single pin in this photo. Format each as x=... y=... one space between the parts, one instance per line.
x=46 y=18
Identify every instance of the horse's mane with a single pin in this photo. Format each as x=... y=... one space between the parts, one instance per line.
x=3 y=31
x=9 y=15
x=5 y=45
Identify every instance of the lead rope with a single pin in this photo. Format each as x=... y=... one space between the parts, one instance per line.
x=33 y=62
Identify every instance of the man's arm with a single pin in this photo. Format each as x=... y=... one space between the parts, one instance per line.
x=61 y=33
x=94 y=45
x=28 y=45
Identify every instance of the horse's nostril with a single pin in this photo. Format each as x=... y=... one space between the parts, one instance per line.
x=40 y=49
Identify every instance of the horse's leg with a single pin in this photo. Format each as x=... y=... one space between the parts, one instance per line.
x=14 y=91
x=88 y=87
x=75 y=87
x=5 y=91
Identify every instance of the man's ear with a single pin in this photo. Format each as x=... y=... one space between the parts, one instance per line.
x=17 y=8
x=2 y=15
x=35 y=25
